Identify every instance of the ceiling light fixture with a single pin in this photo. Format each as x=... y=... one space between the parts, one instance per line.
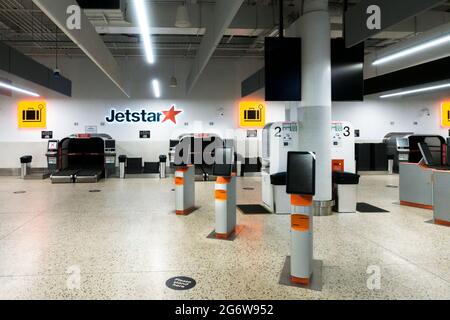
x=173 y=82
x=156 y=88
x=413 y=50
x=182 y=19
x=422 y=90
x=173 y=79
x=17 y=89
x=144 y=23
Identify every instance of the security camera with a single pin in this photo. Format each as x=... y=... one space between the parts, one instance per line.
x=56 y=73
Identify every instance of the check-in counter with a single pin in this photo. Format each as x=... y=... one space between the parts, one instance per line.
x=441 y=197
x=426 y=188
x=416 y=185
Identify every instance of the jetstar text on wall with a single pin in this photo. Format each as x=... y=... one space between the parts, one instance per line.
x=142 y=116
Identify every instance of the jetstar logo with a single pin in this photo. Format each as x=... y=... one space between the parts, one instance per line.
x=142 y=116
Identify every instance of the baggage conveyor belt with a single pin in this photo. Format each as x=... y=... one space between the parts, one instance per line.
x=77 y=175
x=88 y=176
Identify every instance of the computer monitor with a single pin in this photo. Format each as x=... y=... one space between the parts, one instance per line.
x=110 y=144
x=223 y=165
x=174 y=143
x=426 y=154
x=301 y=173
x=402 y=143
x=52 y=145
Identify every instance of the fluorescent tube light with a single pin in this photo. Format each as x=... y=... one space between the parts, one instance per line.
x=156 y=88
x=413 y=50
x=144 y=24
x=17 y=89
x=409 y=92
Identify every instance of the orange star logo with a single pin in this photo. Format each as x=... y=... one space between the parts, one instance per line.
x=171 y=114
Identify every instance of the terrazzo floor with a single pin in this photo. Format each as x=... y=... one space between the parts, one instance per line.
x=64 y=242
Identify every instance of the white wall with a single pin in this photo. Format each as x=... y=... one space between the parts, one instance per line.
x=218 y=88
x=215 y=99
x=376 y=117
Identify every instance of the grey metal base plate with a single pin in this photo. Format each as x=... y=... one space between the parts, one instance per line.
x=37 y=176
x=316 y=279
x=238 y=230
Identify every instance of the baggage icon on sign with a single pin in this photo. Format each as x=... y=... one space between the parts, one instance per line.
x=32 y=114
x=253 y=114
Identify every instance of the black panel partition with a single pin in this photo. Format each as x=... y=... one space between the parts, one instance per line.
x=371 y=157
x=380 y=158
x=86 y=154
x=134 y=166
x=363 y=156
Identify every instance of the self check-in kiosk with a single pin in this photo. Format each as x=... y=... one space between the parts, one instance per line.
x=397 y=149
x=343 y=147
x=278 y=139
x=83 y=158
x=282 y=137
x=416 y=177
x=301 y=175
x=225 y=193
x=52 y=156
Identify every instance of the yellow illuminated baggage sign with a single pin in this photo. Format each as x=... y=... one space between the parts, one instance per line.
x=32 y=114
x=445 y=114
x=252 y=114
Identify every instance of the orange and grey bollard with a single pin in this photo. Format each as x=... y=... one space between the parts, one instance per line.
x=301 y=239
x=184 y=190
x=225 y=203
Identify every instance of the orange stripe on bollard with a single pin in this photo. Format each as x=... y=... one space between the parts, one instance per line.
x=301 y=201
x=179 y=181
x=300 y=222
x=300 y=281
x=223 y=180
x=221 y=195
x=224 y=236
x=416 y=205
x=185 y=212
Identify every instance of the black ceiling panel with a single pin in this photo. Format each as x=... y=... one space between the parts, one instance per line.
x=433 y=71
x=99 y=4
x=253 y=83
x=4 y=57
x=60 y=84
x=20 y=65
x=28 y=69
